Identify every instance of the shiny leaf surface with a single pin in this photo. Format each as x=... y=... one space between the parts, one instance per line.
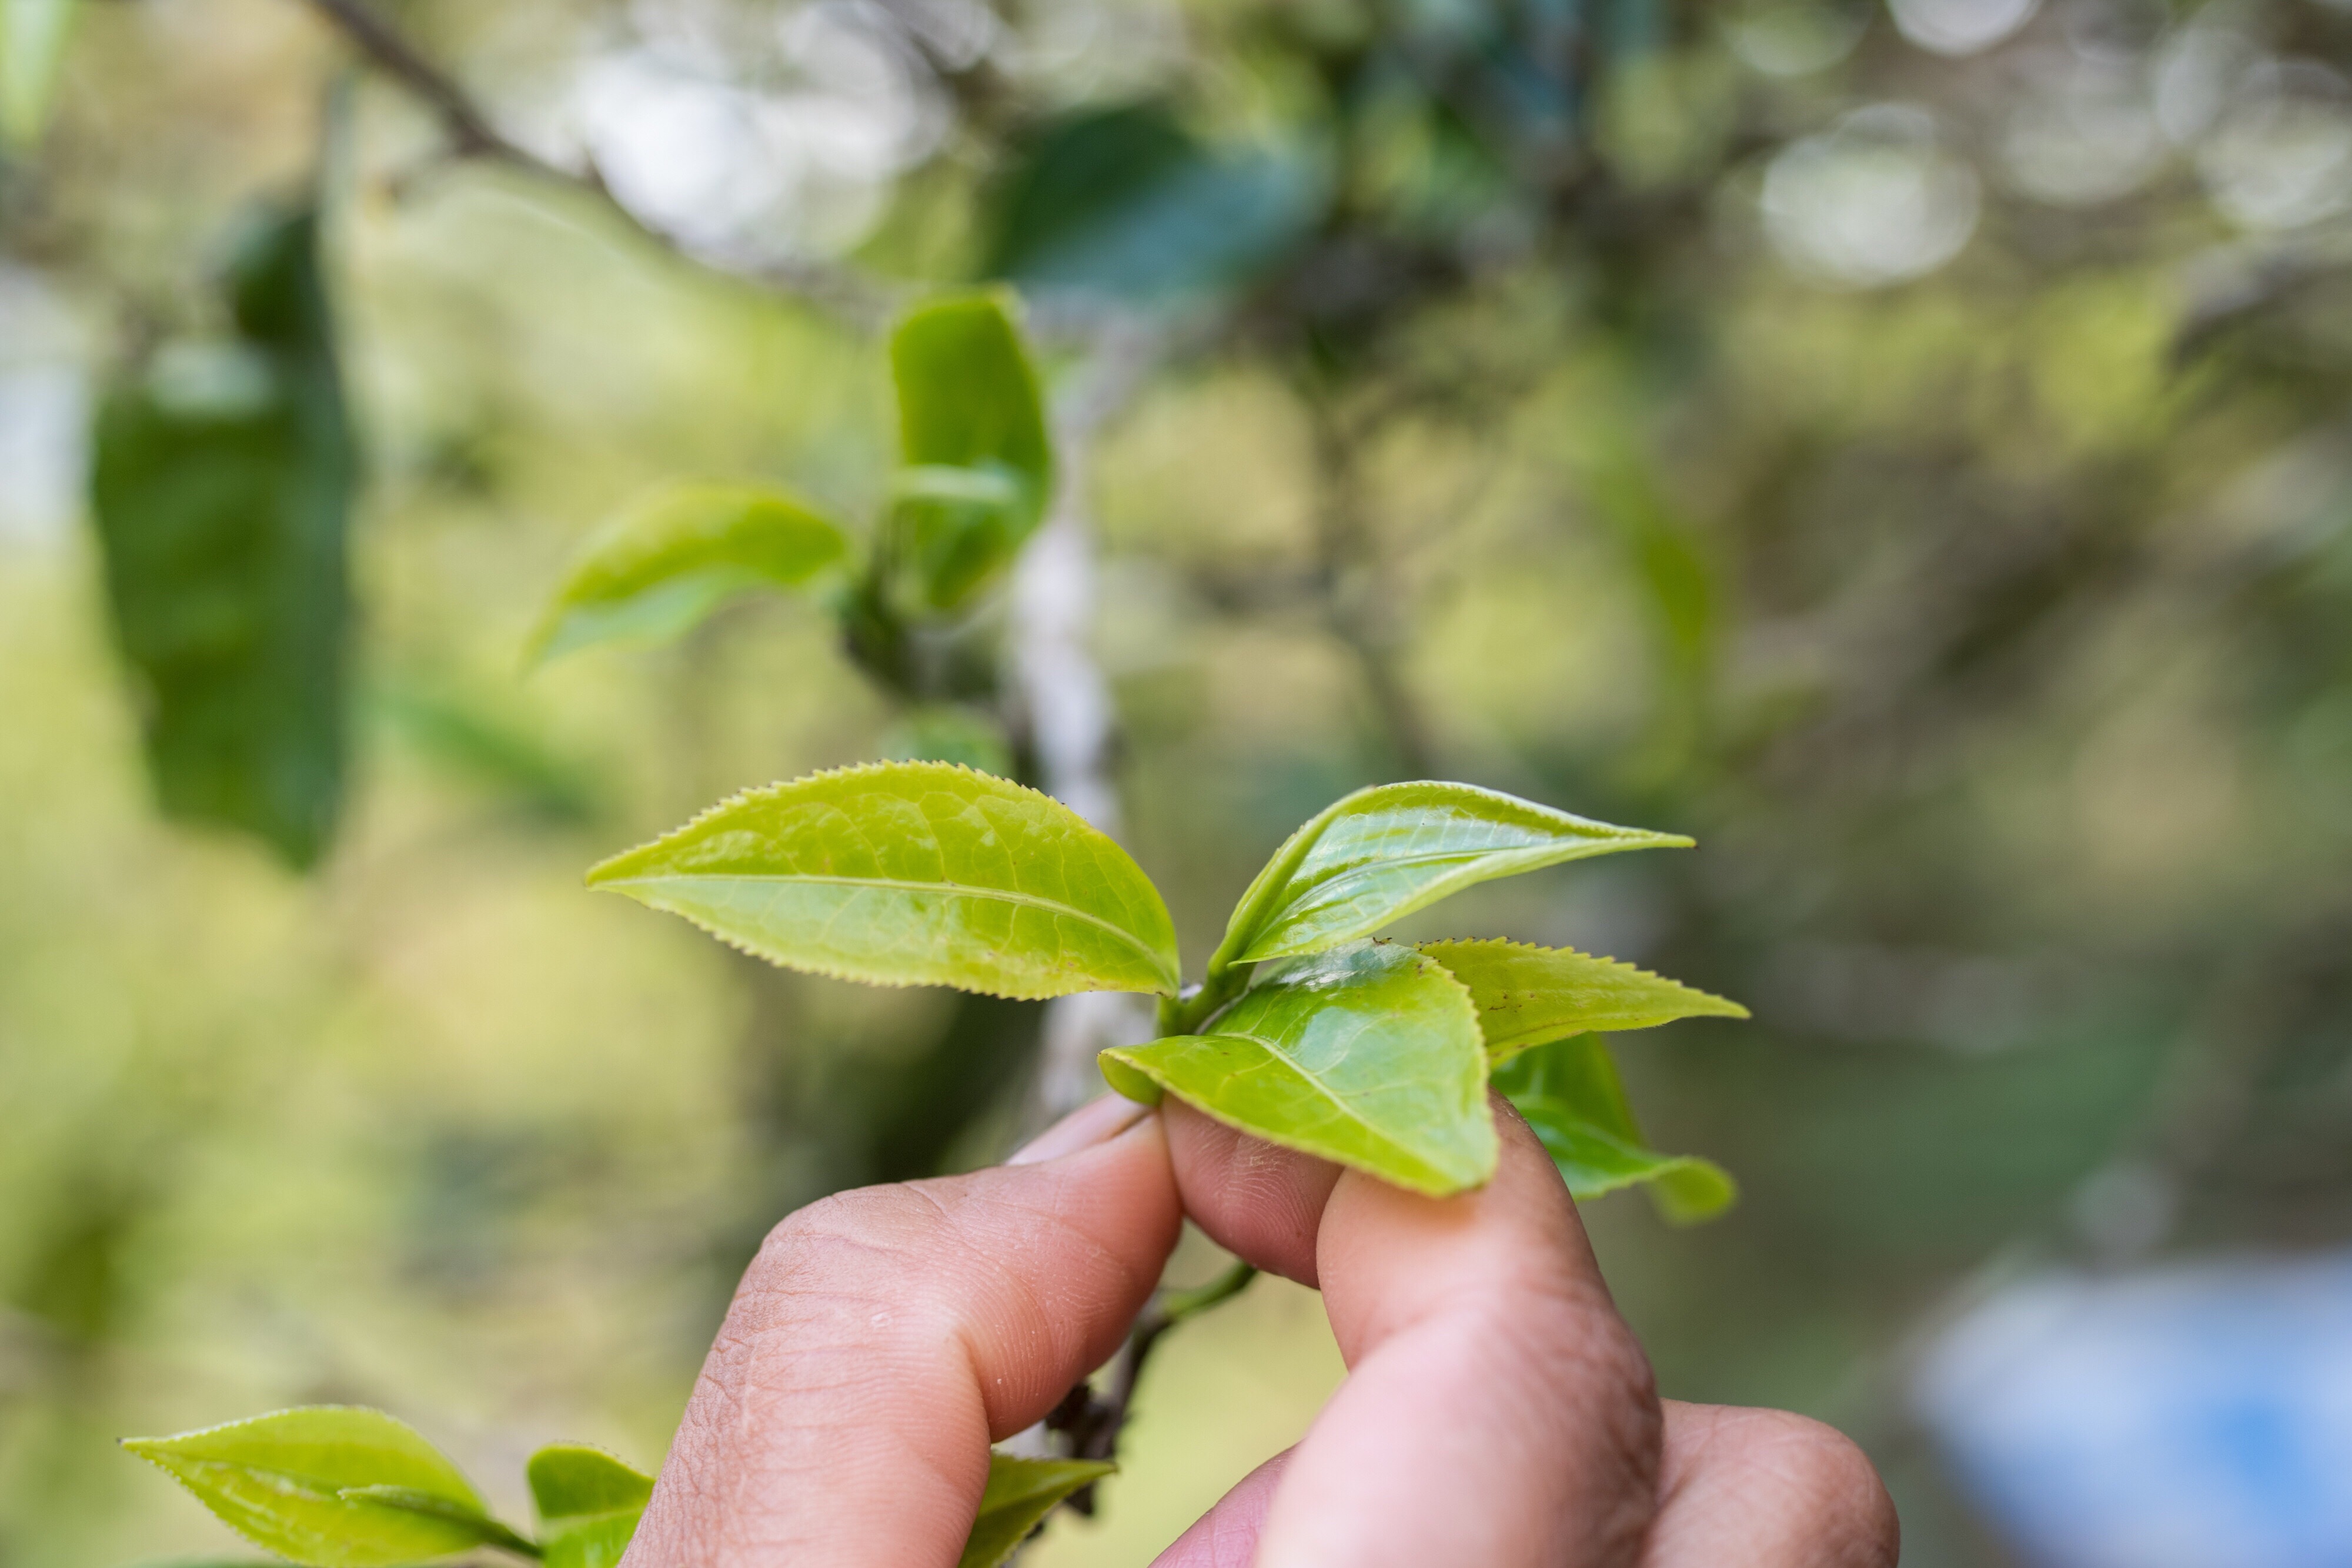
x=278 y=1480
x=669 y=561
x=221 y=484
x=1570 y=1092
x=589 y=1503
x=1369 y=1055
x=1527 y=995
x=909 y=873
x=1386 y=850
x=1020 y=1494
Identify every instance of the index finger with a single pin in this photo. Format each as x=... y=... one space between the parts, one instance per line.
x=1497 y=1411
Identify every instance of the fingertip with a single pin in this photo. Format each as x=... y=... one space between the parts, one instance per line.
x=1260 y=1202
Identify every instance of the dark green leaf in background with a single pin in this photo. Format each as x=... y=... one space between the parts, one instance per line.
x=1528 y=995
x=1020 y=1494
x=1570 y=1092
x=221 y=484
x=281 y=1480
x=1123 y=201
x=673 y=557
x=588 y=1502
x=1385 y=852
x=913 y=873
x=1369 y=1055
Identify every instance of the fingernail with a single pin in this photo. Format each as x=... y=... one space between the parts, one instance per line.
x=1097 y=1122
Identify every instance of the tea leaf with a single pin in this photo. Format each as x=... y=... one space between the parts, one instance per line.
x=278 y=1479
x=1020 y=1494
x=1570 y=1092
x=589 y=1503
x=968 y=397
x=1123 y=201
x=670 y=560
x=1386 y=850
x=952 y=529
x=1369 y=1055
x=912 y=874
x=220 y=483
x=973 y=432
x=432 y=1506
x=1528 y=995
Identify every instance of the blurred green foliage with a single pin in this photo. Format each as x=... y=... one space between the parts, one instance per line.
x=1918 y=474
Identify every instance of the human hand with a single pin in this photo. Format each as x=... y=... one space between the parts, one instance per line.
x=1497 y=1411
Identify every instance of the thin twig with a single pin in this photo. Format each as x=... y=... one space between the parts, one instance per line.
x=1094 y=1423
x=471 y=135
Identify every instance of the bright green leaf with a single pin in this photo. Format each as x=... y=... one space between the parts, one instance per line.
x=968 y=397
x=277 y=1480
x=1369 y=1055
x=434 y=1506
x=953 y=528
x=979 y=463
x=589 y=1503
x=33 y=34
x=1020 y=1494
x=221 y=484
x=1570 y=1092
x=913 y=873
x=667 y=561
x=1528 y=995
x=1386 y=850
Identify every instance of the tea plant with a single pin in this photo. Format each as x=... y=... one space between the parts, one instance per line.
x=1305 y=1029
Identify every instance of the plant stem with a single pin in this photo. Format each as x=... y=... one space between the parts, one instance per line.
x=1095 y=1422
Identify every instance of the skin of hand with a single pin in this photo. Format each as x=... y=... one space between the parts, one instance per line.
x=1497 y=1411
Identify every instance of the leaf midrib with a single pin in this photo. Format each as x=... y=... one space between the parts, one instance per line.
x=1366 y=867
x=1346 y=1110
x=965 y=889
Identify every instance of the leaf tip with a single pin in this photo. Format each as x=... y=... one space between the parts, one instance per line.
x=1126 y=1078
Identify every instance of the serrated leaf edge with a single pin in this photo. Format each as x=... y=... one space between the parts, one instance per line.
x=1293 y=850
x=595 y=879
x=1723 y=1006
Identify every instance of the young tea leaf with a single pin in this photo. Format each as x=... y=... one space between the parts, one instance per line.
x=1570 y=1092
x=913 y=873
x=952 y=529
x=968 y=401
x=434 y=1506
x=1020 y=1494
x=1369 y=1055
x=589 y=1503
x=280 y=1480
x=1528 y=995
x=1386 y=850
x=662 y=566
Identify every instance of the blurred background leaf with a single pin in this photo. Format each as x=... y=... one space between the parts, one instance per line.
x=221 y=483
